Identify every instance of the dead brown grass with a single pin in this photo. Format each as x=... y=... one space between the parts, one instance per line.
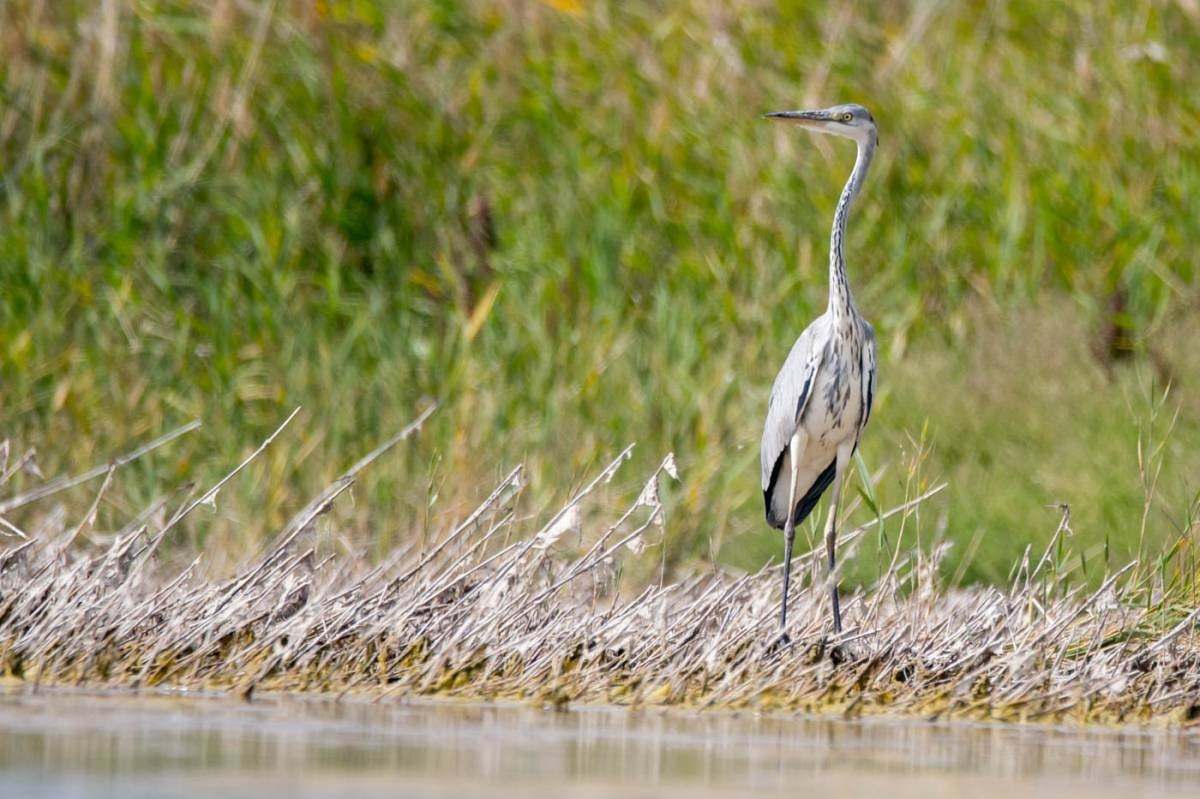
x=493 y=607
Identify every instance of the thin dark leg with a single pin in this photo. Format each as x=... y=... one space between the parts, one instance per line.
x=789 y=537
x=831 y=546
x=789 y=532
x=830 y=542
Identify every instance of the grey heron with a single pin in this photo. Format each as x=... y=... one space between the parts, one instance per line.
x=821 y=398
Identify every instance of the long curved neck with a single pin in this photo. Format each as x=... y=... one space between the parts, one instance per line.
x=841 y=303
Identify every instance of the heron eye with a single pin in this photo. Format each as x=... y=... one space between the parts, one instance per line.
x=846 y=117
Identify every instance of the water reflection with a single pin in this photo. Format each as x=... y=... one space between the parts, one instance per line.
x=89 y=746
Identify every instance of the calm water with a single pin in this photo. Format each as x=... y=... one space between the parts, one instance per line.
x=66 y=745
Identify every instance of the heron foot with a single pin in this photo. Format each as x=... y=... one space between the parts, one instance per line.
x=846 y=653
x=784 y=641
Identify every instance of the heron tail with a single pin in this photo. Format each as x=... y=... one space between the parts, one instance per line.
x=806 y=504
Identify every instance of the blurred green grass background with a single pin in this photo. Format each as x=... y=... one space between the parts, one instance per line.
x=567 y=222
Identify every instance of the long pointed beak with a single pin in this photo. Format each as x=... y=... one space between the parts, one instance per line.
x=805 y=118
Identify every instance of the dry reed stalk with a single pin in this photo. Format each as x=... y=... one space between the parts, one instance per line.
x=492 y=609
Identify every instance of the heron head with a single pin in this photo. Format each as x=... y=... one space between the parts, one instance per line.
x=850 y=120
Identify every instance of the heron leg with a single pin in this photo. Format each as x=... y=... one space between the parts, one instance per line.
x=831 y=539
x=789 y=527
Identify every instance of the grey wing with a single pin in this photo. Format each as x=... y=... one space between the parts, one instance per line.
x=789 y=397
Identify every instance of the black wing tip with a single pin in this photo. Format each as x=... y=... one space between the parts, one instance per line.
x=772 y=520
